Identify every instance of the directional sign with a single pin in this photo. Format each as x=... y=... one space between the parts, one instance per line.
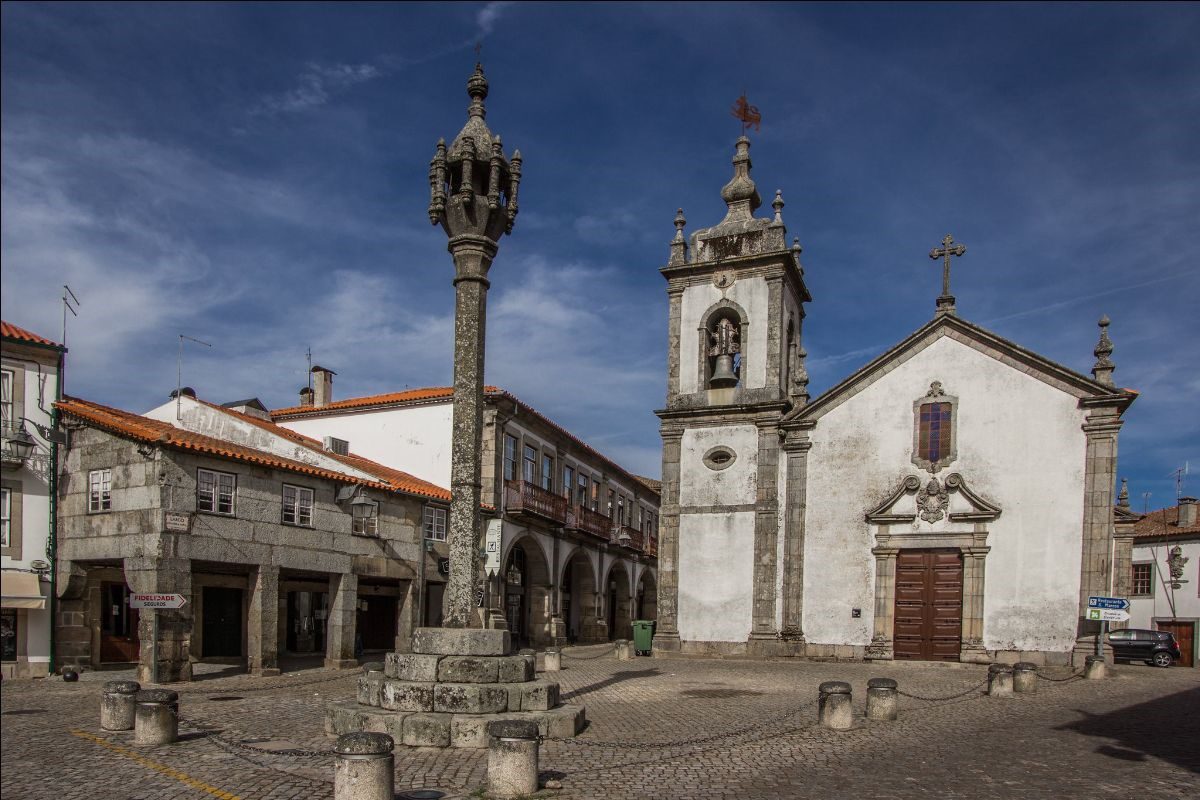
x=1108 y=615
x=492 y=540
x=1119 y=603
x=157 y=600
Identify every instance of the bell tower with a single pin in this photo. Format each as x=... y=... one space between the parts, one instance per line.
x=735 y=366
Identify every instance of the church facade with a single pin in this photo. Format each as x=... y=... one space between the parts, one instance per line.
x=951 y=500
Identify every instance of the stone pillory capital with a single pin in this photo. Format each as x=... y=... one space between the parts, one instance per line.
x=473 y=185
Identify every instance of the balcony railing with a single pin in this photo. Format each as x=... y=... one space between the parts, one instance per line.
x=533 y=501
x=593 y=523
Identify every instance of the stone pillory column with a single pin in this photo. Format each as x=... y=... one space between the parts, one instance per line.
x=473 y=196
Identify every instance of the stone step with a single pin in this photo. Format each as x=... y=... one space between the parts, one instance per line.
x=431 y=667
x=391 y=694
x=446 y=729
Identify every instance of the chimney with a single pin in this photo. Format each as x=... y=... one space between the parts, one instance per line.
x=1187 y=512
x=322 y=386
x=186 y=391
x=306 y=396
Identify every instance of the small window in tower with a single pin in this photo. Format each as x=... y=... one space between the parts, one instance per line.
x=719 y=457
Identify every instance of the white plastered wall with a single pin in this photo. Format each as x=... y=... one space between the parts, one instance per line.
x=716 y=547
x=1019 y=446
x=749 y=293
x=1165 y=602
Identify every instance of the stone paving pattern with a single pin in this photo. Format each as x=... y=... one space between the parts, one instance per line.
x=658 y=728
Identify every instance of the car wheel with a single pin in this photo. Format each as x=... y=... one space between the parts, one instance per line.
x=1162 y=659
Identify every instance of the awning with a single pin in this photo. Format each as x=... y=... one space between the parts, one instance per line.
x=21 y=590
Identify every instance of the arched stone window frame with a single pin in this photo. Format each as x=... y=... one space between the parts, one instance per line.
x=935 y=395
x=722 y=308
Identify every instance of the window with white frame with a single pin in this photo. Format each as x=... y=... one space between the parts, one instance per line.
x=366 y=525
x=297 y=505
x=215 y=491
x=510 y=457
x=529 y=466
x=99 y=490
x=435 y=523
x=5 y=518
x=7 y=404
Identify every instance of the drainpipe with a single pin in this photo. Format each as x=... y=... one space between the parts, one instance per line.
x=52 y=541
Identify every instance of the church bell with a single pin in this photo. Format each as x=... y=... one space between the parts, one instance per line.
x=723 y=376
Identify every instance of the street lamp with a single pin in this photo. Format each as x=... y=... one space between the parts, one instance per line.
x=18 y=445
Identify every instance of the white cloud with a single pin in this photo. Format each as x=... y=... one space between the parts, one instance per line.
x=317 y=84
x=488 y=15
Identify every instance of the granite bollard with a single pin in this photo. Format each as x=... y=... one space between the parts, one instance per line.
x=883 y=702
x=835 y=707
x=512 y=769
x=1025 y=678
x=156 y=720
x=364 y=766
x=1000 y=680
x=118 y=706
x=623 y=651
x=1093 y=668
x=553 y=659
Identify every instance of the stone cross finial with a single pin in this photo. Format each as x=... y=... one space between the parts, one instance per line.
x=679 y=246
x=945 y=303
x=1123 y=497
x=777 y=204
x=1103 y=369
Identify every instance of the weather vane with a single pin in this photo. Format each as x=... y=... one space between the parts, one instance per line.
x=748 y=114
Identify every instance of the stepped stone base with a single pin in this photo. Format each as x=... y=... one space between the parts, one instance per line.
x=448 y=688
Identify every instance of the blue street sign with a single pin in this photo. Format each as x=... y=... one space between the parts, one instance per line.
x=1119 y=603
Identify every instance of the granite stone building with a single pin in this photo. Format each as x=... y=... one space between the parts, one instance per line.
x=32 y=366
x=280 y=544
x=951 y=500
x=576 y=561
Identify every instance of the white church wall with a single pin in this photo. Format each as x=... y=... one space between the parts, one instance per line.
x=415 y=439
x=716 y=573
x=1019 y=445
x=716 y=549
x=751 y=295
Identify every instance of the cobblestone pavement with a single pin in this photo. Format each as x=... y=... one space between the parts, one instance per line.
x=659 y=728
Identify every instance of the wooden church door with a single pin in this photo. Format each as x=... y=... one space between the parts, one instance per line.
x=928 y=614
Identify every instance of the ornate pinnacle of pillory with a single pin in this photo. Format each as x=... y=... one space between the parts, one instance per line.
x=473 y=196
x=1103 y=369
x=945 y=303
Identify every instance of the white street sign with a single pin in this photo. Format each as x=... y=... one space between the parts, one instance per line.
x=495 y=530
x=1108 y=615
x=171 y=601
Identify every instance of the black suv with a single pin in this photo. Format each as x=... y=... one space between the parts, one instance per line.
x=1154 y=647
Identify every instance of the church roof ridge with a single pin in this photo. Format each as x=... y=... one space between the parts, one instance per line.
x=1082 y=385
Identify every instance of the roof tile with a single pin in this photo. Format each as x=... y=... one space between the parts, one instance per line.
x=10 y=331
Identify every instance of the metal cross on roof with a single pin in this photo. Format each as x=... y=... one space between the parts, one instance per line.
x=945 y=303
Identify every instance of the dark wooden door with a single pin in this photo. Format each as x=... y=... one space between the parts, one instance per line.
x=928 y=617
x=119 y=640
x=377 y=622
x=222 y=622
x=1185 y=636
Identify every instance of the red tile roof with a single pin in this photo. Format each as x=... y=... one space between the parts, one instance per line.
x=442 y=393
x=10 y=331
x=145 y=429
x=1163 y=523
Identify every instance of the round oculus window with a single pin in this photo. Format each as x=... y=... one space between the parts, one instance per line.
x=719 y=457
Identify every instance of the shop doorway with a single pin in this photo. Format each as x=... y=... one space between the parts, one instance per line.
x=377 y=621
x=119 y=642
x=307 y=612
x=222 y=624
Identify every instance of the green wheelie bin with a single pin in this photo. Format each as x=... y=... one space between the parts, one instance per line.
x=643 y=636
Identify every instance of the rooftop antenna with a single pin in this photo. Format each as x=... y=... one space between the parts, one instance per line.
x=1145 y=503
x=69 y=301
x=179 y=373
x=1179 y=475
x=308 y=355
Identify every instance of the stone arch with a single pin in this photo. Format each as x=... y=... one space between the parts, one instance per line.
x=645 y=601
x=738 y=316
x=618 y=605
x=580 y=596
x=526 y=588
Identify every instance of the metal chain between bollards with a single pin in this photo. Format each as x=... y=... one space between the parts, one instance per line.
x=216 y=738
x=625 y=744
x=928 y=699
x=1071 y=677
x=609 y=649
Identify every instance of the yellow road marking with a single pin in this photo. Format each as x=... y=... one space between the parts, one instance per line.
x=162 y=769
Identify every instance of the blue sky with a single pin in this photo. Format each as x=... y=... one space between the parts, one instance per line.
x=256 y=176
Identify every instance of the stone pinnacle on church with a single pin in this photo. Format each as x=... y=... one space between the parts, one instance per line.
x=679 y=247
x=1123 y=497
x=740 y=194
x=1103 y=369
